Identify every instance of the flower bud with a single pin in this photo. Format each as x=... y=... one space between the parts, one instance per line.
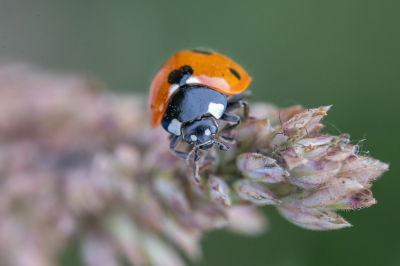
x=258 y=167
x=246 y=220
x=90 y=160
x=331 y=193
x=219 y=191
x=313 y=174
x=255 y=193
x=310 y=218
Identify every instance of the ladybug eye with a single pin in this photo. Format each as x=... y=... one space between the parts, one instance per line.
x=193 y=137
x=207 y=132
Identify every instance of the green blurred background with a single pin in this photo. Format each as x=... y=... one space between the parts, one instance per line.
x=313 y=53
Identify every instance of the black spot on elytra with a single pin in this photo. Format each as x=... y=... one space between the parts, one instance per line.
x=176 y=75
x=186 y=70
x=198 y=51
x=234 y=73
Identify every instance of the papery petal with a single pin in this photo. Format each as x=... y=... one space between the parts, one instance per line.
x=314 y=174
x=129 y=157
x=291 y=157
x=255 y=193
x=127 y=236
x=219 y=190
x=363 y=169
x=149 y=210
x=32 y=254
x=160 y=154
x=187 y=240
x=358 y=200
x=310 y=218
x=98 y=251
x=158 y=252
x=207 y=216
x=299 y=125
x=263 y=110
x=288 y=113
x=251 y=161
x=341 y=155
x=172 y=195
x=258 y=167
x=315 y=142
x=329 y=147
x=331 y=193
x=210 y=217
x=256 y=132
x=175 y=200
x=246 y=220
x=313 y=148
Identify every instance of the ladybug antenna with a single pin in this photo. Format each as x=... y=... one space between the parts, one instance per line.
x=222 y=146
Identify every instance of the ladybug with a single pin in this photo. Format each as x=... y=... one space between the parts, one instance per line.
x=192 y=90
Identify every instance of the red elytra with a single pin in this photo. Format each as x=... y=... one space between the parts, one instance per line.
x=210 y=69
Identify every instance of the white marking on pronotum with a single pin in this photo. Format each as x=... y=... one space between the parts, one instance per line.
x=216 y=109
x=175 y=127
x=193 y=137
x=207 y=132
x=172 y=89
x=192 y=80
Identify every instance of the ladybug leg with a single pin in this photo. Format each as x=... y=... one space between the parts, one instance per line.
x=196 y=175
x=238 y=97
x=173 y=143
x=236 y=101
x=231 y=118
x=239 y=104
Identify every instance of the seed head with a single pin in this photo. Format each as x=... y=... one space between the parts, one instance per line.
x=80 y=165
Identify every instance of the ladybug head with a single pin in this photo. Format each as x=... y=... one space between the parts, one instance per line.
x=200 y=132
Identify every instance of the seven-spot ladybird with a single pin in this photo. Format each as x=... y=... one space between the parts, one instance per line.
x=191 y=91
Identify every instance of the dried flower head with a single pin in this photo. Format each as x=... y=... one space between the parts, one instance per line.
x=79 y=165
